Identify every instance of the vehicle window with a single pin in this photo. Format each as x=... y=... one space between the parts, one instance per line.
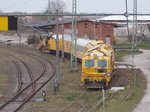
x=89 y=63
x=102 y=63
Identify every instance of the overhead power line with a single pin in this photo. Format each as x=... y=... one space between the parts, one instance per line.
x=86 y=14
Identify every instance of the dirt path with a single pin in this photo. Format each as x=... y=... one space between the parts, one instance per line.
x=143 y=62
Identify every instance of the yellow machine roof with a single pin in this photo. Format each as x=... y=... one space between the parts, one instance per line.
x=98 y=48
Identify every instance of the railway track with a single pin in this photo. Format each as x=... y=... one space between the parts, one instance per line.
x=8 y=105
x=72 y=103
x=19 y=73
x=89 y=106
x=36 y=84
x=95 y=103
x=99 y=103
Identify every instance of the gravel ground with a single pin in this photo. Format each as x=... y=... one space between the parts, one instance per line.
x=143 y=62
x=14 y=38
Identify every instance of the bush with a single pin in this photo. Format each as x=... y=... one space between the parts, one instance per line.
x=32 y=40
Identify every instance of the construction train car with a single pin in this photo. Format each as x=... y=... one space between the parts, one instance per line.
x=97 y=59
x=97 y=65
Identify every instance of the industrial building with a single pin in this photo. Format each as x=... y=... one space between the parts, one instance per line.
x=93 y=30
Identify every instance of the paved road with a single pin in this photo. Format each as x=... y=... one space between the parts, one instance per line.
x=143 y=62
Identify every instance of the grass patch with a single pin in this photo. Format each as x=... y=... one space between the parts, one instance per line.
x=144 y=45
x=3 y=80
x=70 y=96
x=120 y=54
x=141 y=45
x=124 y=44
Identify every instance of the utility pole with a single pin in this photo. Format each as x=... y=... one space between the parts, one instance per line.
x=134 y=38
x=103 y=92
x=19 y=35
x=127 y=15
x=56 y=80
x=62 y=38
x=73 y=58
x=94 y=30
x=18 y=31
x=49 y=2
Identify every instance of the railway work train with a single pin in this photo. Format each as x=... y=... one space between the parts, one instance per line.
x=97 y=59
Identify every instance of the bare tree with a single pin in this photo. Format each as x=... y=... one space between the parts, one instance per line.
x=57 y=6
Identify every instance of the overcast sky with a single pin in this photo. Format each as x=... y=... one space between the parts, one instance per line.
x=88 y=6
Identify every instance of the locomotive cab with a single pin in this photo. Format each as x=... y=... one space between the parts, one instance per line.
x=96 y=72
x=97 y=65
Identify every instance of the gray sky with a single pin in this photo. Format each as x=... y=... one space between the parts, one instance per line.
x=88 y=6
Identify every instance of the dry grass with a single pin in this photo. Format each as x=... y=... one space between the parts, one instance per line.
x=70 y=89
x=4 y=77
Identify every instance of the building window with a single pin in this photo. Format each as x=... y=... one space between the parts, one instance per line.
x=108 y=39
x=95 y=25
x=85 y=25
x=66 y=26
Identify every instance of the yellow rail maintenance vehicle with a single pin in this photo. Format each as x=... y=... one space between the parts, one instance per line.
x=97 y=65
x=49 y=44
x=97 y=59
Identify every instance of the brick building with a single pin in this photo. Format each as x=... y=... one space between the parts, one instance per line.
x=85 y=28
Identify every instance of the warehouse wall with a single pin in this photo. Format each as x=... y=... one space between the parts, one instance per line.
x=91 y=30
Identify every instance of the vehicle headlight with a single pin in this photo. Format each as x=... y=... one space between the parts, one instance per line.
x=108 y=75
x=90 y=79
x=82 y=73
